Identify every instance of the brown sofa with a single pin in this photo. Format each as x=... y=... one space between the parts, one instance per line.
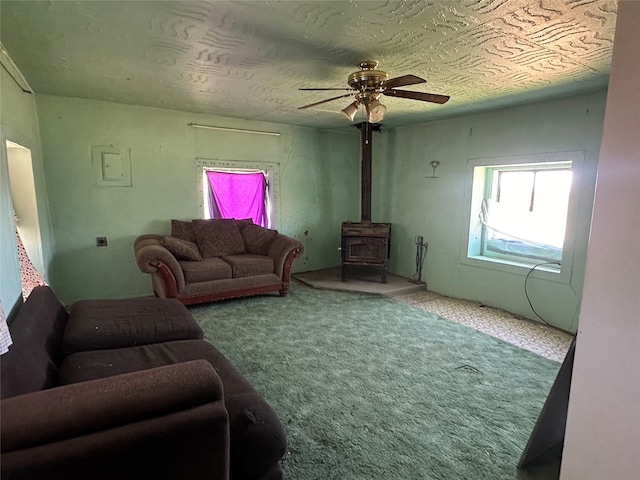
x=207 y=260
x=127 y=389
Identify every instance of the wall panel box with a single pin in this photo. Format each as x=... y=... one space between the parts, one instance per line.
x=111 y=165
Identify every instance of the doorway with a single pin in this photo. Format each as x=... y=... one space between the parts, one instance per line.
x=27 y=221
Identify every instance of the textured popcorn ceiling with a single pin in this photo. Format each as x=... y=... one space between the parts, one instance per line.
x=248 y=59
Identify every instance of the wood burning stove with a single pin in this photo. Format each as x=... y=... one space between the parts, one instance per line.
x=365 y=244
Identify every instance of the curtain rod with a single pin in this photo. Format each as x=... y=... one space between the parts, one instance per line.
x=238 y=130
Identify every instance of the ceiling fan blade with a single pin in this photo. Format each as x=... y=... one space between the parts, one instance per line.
x=325 y=101
x=403 y=81
x=425 y=97
x=313 y=89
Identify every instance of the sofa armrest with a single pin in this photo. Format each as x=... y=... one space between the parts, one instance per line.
x=127 y=425
x=77 y=409
x=155 y=259
x=283 y=250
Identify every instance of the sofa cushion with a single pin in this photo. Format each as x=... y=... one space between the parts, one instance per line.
x=205 y=270
x=257 y=438
x=183 y=230
x=218 y=237
x=102 y=324
x=181 y=249
x=249 y=265
x=232 y=287
x=257 y=239
x=32 y=362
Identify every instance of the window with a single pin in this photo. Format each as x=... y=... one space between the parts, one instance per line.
x=269 y=170
x=524 y=212
x=238 y=194
x=520 y=210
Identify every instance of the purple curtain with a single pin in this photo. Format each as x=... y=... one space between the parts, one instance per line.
x=238 y=195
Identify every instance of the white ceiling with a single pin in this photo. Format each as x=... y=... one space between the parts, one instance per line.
x=248 y=59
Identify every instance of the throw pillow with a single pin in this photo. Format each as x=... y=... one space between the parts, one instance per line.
x=257 y=239
x=183 y=230
x=243 y=222
x=181 y=249
x=218 y=237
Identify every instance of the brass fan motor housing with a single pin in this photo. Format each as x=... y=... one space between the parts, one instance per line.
x=368 y=78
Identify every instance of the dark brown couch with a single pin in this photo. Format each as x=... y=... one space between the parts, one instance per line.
x=127 y=389
x=207 y=260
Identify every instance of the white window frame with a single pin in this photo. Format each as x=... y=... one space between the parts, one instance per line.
x=270 y=169
x=475 y=185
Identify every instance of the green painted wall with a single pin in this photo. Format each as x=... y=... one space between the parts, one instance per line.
x=317 y=186
x=438 y=208
x=19 y=123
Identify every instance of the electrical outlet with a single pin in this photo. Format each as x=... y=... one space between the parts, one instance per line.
x=101 y=242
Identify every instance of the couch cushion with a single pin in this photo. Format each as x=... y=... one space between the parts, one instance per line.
x=32 y=362
x=248 y=265
x=183 y=230
x=241 y=222
x=205 y=270
x=102 y=324
x=257 y=437
x=181 y=249
x=234 y=287
x=218 y=237
x=257 y=239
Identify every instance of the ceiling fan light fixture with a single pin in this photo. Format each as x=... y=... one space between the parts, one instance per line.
x=351 y=110
x=379 y=117
x=368 y=84
x=376 y=111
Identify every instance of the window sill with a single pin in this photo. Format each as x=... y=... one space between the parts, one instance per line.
x=548 y=272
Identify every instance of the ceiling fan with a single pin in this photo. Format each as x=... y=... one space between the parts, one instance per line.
x=368 y=84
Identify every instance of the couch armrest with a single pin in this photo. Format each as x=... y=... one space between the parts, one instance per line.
x=81 y=408
x=131 y=425
x=283 y=250
x=155 y=259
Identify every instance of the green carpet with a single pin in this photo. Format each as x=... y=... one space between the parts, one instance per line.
x=370 y=388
